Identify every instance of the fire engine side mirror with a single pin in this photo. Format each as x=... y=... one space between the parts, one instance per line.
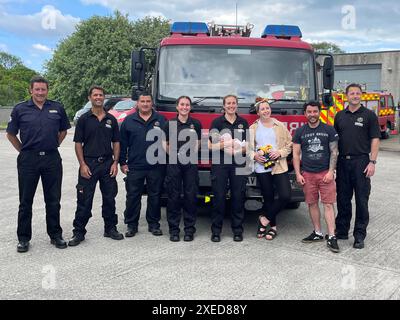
x=327 y=100
x=329 y=73
x=138 y=68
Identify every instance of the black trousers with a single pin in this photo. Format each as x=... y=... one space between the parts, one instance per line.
x=182 y=179
x=271 y=185
x=32 y=166
x=85 y=193
x=351 y=179
x=220 y=176
x=134 y=183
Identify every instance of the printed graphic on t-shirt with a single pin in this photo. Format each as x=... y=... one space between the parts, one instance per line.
x=314 y=145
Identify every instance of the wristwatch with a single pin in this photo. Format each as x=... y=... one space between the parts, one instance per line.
x=372 y=161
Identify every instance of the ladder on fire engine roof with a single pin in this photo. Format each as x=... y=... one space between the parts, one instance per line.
x=226 y=30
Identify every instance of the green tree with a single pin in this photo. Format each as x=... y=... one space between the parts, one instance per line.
x=327 y=47
x=149 y=31
x=99 y=52
x=8 y=61
x=14 y=79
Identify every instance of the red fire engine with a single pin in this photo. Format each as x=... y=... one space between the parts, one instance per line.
x=381 y=103
x=207 y=62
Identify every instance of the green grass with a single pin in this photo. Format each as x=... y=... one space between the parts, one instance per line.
x=3 y=125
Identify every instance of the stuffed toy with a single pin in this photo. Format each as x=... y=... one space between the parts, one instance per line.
x=264 y=151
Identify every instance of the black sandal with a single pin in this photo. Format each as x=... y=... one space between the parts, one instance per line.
x=272 y=233
x=261 y=229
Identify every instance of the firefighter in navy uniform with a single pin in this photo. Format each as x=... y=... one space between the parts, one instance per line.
x=42 y=125
x=229 y=143
x=141 y=167
x=183 y=135
x=359 y=133
x=97 y=149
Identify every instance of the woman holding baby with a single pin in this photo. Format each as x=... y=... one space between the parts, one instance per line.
x=228 y=145
x=270 y=143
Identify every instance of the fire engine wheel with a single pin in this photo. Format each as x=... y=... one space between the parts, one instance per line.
x=385 y=134
x=293 y=205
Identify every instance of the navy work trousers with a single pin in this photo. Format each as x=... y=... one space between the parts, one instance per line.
x=134 y=183
x=220 y=176
x=85 y=193
x=182 y=179
x=47 y=166
x=351 y=179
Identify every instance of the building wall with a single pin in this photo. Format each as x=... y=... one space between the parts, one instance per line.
x=368 y=75
x=390 y=73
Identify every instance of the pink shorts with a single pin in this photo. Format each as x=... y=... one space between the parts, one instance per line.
x=314 y=187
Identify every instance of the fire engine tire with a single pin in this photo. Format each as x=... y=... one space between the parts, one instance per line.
x=293 y=205
x=385 y=134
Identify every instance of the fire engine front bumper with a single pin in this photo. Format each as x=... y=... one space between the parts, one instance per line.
x=252 y=188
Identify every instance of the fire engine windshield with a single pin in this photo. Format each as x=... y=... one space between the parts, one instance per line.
x=204 y=71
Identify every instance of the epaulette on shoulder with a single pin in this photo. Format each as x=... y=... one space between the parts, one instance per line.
x=54 y=101
x=20 y=103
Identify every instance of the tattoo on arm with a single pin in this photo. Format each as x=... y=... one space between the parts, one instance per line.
x=333 y=146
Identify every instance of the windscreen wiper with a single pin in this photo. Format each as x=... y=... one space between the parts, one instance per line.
x=200 y=99
x=166 y=99
x=271 y=101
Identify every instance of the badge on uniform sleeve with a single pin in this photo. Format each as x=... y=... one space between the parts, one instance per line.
x=10 y=119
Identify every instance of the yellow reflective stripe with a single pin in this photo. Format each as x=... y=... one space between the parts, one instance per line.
x=323 y=116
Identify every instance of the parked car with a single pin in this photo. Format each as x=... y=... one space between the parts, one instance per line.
x=123 y=109
x=109 y=103
x=81 y=111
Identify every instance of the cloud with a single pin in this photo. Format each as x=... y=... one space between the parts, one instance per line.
x=48 y=23
x=260 y=13
x=317 y=19
x=41 y=47
x=3 y=47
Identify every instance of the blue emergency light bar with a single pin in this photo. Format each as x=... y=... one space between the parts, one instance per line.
x=190 y=28
x=283 y=31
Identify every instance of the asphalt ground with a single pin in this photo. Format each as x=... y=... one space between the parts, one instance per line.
x=148 y=267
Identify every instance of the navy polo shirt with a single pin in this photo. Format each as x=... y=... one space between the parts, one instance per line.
x=221 y=125
x=133 y=139
x=38 y=128
x=97 y=136
x=356 y=130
